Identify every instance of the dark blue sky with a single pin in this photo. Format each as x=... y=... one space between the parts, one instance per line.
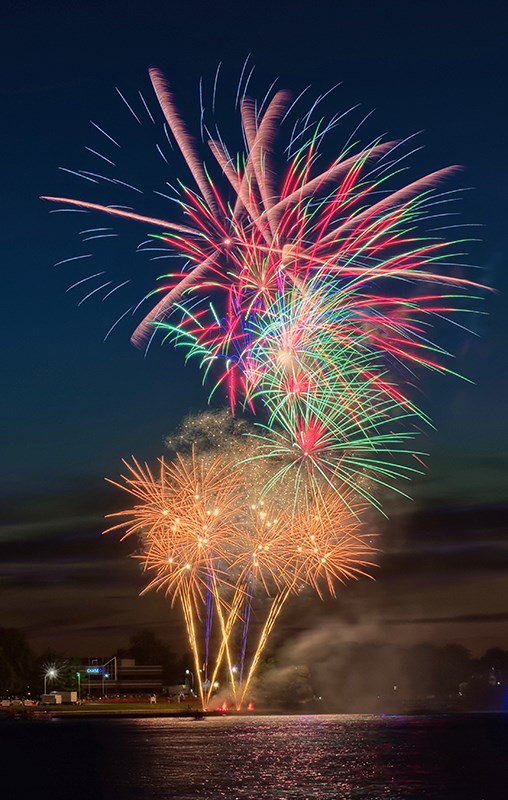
x=74 y=405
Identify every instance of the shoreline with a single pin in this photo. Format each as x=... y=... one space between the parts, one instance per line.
x=38 y=713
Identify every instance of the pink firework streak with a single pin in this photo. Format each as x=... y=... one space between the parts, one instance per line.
x=270 y=230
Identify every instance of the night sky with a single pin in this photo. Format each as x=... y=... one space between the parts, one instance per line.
x=74 y=405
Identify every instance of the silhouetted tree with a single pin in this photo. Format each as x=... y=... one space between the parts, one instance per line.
x=454 y=668
x=421 y=664
x=17 y=662
x=495 y=660
x=146 y=648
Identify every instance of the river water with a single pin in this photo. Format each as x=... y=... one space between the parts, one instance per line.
x=463 y=757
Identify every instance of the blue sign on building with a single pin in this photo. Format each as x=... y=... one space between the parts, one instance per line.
x=94 y=670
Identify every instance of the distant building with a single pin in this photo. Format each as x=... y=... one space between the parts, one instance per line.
x=103 y=676
x=135 y=678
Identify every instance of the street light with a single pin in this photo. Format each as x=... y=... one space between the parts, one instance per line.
x=50 y=673
x=189 y=672
x=231 y=678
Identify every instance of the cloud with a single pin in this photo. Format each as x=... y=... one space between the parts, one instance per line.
x=442 y=572
x=458 y=618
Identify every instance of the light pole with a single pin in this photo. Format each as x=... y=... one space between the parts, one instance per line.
x=106 y=673
x=50 y=673
x=189 y=672
x=234 y=670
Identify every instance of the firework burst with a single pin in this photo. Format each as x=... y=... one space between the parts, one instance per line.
x=214 y=551
x=309 y=295
x=267 y=229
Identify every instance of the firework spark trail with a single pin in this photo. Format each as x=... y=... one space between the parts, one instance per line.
x=275 y=609
x=233 y=614
x=208 y=625
x=245 y=629
x=225 y=637
x=187 y=602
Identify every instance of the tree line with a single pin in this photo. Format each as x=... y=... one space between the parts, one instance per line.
x=353 y=678
x=22 y=671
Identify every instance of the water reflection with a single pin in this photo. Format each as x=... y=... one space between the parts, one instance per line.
x=306 y=757
x=263 y=758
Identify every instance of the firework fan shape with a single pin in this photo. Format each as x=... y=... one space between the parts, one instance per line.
x=186 y=521
x=213 y=551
